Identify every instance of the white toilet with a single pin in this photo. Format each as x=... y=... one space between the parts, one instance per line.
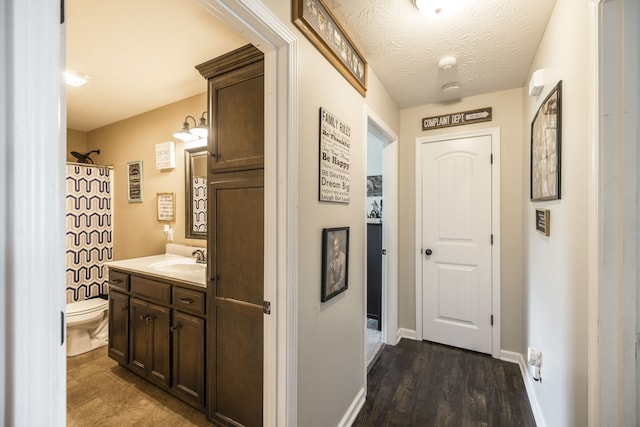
x=87 y=325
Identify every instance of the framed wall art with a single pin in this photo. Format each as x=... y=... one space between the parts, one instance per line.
x=134 y=181
x=542 y=221
x=318 y=24
x=546 y=133
x=166 y=205
x=335 y=262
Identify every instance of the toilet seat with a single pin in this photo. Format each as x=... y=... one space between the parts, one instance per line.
x=81 y=311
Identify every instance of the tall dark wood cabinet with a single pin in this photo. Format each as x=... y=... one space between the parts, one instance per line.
x=235 y=237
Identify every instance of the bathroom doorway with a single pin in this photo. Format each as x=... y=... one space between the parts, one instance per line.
x=382 y=235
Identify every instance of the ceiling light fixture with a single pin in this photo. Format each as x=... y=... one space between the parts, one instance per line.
x=188 y=134
x=428 y=7
x=75 y=79
x=447 y=62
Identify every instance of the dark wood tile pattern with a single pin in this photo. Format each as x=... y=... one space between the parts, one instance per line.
x=426 y=384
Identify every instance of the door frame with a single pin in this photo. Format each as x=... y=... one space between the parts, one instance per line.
x=494 y=133
x=389 y=313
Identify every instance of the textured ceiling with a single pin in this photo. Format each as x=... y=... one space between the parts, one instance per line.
x=141 y=54
x=494 y=42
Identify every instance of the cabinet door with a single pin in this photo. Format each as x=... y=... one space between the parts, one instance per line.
x=138 y=337
x=235 y=350
x=149 y=341
x=237 y=119
x=119 y=327
x=188 y=358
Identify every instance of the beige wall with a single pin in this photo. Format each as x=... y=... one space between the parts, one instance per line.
x=77 y=141
x=331 y=334
x=137 y=232
x=555 y=267
x=507 y=115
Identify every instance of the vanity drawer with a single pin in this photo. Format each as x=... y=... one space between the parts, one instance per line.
x=151 y=290
x=188 y=300
x=118 y=280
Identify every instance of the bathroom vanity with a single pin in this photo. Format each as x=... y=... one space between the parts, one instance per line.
x=157 y=313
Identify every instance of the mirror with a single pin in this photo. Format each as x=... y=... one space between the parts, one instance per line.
x=195 y=174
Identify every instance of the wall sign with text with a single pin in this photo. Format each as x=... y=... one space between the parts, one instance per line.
x=335 y=159
x=457 y=119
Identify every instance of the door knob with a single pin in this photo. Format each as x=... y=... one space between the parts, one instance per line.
x=428 y=252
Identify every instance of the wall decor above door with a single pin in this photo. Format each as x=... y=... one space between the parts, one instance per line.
x=318 y=24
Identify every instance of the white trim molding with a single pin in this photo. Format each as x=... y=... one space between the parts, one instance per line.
x=354 y=409
x=409 y=334
x=494 y=133
x=513 y=357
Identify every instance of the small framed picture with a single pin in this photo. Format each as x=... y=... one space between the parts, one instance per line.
x=166 y=206
x=542 y=221
x=335 y=262
x=134 y=181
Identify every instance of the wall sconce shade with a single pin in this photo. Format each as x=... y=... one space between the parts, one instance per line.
x=188 y=134
x=202 y=130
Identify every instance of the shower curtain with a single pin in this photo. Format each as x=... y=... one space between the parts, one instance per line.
x=199 y=204
x=89 y=230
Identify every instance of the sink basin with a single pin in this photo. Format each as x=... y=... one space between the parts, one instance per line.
x=178 y=265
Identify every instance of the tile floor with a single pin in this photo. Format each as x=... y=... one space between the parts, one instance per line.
x=102 y=393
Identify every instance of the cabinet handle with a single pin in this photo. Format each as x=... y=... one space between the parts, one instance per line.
x=143 y=317
x=186 y=300
x=175 y=327
x=124 y=309
x=115 y=281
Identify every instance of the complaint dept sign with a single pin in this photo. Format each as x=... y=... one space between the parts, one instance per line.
x=335 y=159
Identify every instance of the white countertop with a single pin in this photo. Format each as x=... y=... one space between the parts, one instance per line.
x=144 y=265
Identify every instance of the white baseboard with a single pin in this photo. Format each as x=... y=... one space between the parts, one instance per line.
x=354 y=409
x=513 y=357
x=409 y=334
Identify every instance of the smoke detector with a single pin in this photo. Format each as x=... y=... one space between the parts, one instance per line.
x=451 y=87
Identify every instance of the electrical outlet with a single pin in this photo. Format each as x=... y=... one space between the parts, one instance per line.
x=534 y=358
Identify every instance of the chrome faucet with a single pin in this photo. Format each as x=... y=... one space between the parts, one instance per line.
x=201 y=256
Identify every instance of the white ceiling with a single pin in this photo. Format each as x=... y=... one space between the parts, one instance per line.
x=141 y=54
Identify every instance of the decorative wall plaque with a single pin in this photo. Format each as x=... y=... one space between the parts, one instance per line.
x=335 y=159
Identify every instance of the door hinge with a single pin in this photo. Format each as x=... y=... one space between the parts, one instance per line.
x=492 y=320
x=492 y=239
x=62 y=328
x=266 y=307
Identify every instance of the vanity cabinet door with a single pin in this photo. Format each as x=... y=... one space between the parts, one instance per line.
x=119 y=327
x=149 y=341
x=188 y=335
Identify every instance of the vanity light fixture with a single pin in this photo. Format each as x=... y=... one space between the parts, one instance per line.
x=202 y=130
x=188 y=134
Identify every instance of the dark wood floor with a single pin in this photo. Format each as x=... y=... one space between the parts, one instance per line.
x=425 y=384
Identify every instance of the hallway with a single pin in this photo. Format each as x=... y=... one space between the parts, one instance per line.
x=427 y=384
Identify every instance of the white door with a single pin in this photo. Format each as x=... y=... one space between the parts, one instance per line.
x=456 y=242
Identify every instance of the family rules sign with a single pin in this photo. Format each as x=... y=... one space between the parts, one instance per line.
x=335 y=159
